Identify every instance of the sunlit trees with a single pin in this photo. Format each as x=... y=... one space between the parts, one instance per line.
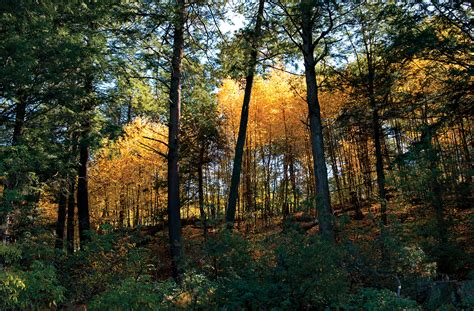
x=254 y=39
x=335 y=140
x=275 y=142
x=128 y=177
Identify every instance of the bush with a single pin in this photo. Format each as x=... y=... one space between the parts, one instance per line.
x=9 y=254
x=284 y=272
x=36 y=288
x=109 y=258
x=379 y=299
x=134 y=294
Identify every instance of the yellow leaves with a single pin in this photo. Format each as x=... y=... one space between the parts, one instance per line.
x=133 y=159
x=276 y=110
x=332 y=102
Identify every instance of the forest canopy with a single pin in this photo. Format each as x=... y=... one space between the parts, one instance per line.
x=229 y=155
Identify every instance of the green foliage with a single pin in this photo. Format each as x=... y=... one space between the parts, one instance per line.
x=36 y=288
x=108 y=259
x=229 y=255
x=9 y=254
x=11 y=287
x=310 y=270
x=28 y=276
x=379 y=299
x=281 y=272
x=451 y=296
x=133 y=294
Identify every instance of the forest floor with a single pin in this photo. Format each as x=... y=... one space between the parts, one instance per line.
x=258 y=229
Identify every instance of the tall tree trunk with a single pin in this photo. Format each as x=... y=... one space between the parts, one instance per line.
x=82 y=191
x=284 y=188
x=82 y=174
x=129 y=110
x=14 y=178
x=70 y=215
x=239 y=148
x=248 y=178
x=61 y=221
x=174 y=220
x=20 y=113
x=335 y=170
x=323 y=204
x=469 y=165
x=377 y=136
x=201 y=192
x=293 y=179
x=436 y=193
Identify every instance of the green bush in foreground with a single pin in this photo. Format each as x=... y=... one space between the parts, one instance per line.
x=34 y=289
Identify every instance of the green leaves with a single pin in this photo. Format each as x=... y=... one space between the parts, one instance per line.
x=24 y=285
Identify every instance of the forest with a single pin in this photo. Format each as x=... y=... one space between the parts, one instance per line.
x=236 y=155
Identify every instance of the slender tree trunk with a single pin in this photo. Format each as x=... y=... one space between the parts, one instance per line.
x=14 y=179
x=248 y=178
x=293 y=179
x=284 y=190
x=129 y=110
x=335 y=170
x=377 y=136
x=20 y=113
x=316 y=130
x=239 y=148
x=70 y=215
x=174 y=220
x=137 y=206
x=82 y=192
x=469 y=165
x=61 y=221
x=201 y=192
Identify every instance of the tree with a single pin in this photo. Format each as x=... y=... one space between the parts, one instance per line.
x=310 y=12
x=303 y=19
x=174 y=220
x=239 y=148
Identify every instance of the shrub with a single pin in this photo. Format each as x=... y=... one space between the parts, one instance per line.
x=134 y=294
x=9 y=254
x=36 y=288
x=379 y=299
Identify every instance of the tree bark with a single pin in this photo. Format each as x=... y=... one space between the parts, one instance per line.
x=20 y=114
x=377 y=136
x=82 y=192
x=323 y=204
x=82 y=172
x=239 y=148
x=174 y=221
x=70 y=215
x=61 y=221
x=201 y=192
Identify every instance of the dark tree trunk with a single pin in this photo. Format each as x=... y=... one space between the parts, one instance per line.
x=61 y=221
x=82 y=183
x=335 y=170
x=239 y=148
x=377 y=136
x=70 y=215
x=293 y=179
x=436 y=193
x=323 y=203
x=174 y=220
x=129 y=111
x=82 y=192
x=201 y=192
x=248 y=193
x=20 y=114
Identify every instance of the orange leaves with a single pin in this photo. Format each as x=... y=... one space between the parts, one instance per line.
x=276 y=109
x=133 y=160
